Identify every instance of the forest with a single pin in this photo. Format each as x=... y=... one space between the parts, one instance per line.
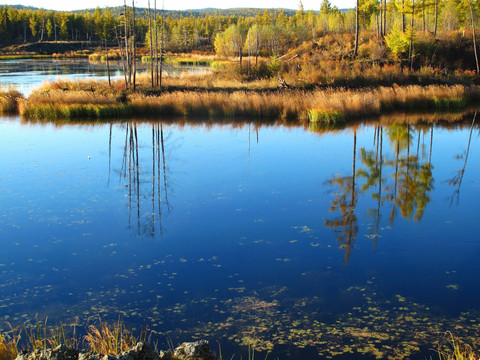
x=408 y=29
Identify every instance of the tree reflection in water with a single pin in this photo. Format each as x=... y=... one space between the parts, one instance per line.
x=456 y=181
x=137 y=179
x=407 y=191
x=373 y=160
x=345 y=201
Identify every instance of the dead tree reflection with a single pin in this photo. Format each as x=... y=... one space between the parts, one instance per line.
x=456 y=181
x=345 y=202
x=137 y=179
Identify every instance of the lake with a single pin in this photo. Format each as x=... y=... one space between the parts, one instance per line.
x=355 y=243
x=27 y=74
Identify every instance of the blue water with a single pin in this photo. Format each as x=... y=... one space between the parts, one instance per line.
x=26 y=75
x=232 y=232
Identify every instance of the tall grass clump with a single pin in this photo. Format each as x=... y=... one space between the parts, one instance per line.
x=334 y=118
x=42 y=336
x=9 y=345
x=9 y=101
x=107 y=338
x=456 y=350
x=72 y=101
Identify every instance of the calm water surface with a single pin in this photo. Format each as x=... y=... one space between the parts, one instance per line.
x=361 y=241
x=28 y=74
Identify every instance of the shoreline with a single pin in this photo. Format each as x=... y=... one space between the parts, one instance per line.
x=71 y=100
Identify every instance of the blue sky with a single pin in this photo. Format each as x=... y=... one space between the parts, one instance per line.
x=180 y=4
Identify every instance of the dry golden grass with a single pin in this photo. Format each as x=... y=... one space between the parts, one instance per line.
x=297 y=104
x=457 y=350
x=9 y=345
x=109 y=338
x=9 y=101
x=226 y=98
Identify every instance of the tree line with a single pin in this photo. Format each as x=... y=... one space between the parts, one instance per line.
x=267 y=32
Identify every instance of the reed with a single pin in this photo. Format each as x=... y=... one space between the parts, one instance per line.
x=101 y=56
x=9 y=101
x=456 y=350
x=76 y=111
x=9 y=345
x=42 y=336
x=96 y=100
x=109 y=338
x=334 y=118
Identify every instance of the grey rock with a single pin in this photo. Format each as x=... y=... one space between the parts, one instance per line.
x=61 y=352
x=166 y=355
x=194 y=351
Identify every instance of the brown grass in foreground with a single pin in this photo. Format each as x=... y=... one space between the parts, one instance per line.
x=9 y=345
x=109 y=338
x=456 y=350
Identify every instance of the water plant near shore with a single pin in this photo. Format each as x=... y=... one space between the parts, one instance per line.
x=456 y=350
x=109 y=338
x=9 y=345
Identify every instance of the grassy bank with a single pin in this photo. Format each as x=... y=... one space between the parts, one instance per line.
x=95 y=100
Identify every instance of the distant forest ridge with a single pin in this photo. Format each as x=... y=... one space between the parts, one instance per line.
x=245 y=12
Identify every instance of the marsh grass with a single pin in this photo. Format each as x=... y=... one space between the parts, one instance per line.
x=89 y=99
x=77 y=111
x=106 y=338
x=456 y=350
x=113 y=55
x=74 y=100
x=103 y=338
x=9 y=344
x=330 y=106
x=9 y=101
x=326 y=117
x=42 y=336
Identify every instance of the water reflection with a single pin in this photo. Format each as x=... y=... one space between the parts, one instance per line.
x=372 y=175
x=143 y=187
x=230 y=232
x=456 y=181
x=345 y=202
x=400 y=184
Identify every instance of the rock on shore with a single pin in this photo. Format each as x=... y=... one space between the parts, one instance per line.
x=198 y=350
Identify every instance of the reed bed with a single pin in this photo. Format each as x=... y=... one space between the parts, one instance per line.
x=332 y=106
x=73 y=104
x=329 y=106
